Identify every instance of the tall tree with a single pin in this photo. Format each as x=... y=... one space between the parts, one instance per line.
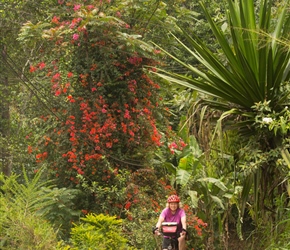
x=247 y=81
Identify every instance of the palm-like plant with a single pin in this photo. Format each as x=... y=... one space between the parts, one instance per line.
x=249 y=82
x=257 y=60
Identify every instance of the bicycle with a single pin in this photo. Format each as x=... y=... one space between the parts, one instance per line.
x=169 y=234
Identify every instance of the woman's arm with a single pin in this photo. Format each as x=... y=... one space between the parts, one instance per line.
x=158 y=225
x=160 y=220
x=183 y=222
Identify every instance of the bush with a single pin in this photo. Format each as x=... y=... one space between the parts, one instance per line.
x=22 y=225
x=28 y=232
x=98 y=232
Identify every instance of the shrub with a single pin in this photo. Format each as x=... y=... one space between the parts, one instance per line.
x=22 y=225
x=27 y=232
x=98 y=232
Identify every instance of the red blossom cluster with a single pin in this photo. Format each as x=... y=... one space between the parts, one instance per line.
x=108 y=111
x=39 y=66
x=41 y=156
x=173 y=146
x=193 y=221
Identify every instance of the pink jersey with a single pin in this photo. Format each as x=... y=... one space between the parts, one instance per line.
x=169 y=217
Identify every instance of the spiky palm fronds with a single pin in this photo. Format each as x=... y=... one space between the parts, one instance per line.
x=256 y=62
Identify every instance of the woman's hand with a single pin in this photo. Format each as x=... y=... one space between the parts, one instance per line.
x=156 y=231
x=183 y=232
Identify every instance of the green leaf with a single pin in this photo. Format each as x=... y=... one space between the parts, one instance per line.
x=215 y=181
x=182 y=176
x=170 y=167
x=247 y=185
x=194 y=198
x=218 y=201
x=286 y=156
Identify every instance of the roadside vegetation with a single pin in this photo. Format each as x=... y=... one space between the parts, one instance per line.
x=108 y=107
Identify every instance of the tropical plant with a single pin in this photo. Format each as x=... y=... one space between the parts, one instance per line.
x=210 y=196
x=98 y=232
x=22 y=221
x=63 y=211
x=246 y=80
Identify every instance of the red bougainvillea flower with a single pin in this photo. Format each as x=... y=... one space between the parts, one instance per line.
x=84 y=211
x=29 y=149
x=77 y=7
x=41 y=65
x=75 y=36
x=32 y=69
x=55 y=20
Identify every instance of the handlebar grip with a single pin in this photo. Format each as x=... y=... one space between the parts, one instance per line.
x=154 y=229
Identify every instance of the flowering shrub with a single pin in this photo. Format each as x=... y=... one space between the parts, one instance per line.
x=176 y=146
x=196 y=228
x=106 y=102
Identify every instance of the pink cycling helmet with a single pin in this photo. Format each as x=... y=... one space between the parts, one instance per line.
x=173 y=198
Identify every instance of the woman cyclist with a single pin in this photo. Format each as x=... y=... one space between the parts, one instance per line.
x=173 y=213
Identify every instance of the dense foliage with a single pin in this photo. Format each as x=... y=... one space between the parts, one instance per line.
x=245 y=86
x=104 y=140
x=22 y=208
